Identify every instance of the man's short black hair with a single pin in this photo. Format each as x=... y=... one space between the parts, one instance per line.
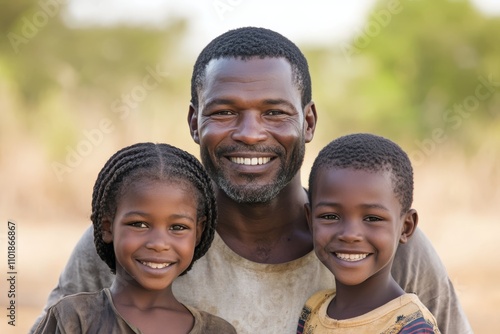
x=248 y=42
x=370 y=153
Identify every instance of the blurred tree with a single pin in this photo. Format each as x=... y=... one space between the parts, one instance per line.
x=414 y=67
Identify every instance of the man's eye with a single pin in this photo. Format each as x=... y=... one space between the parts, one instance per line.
x=275 y=112
x=222 y=113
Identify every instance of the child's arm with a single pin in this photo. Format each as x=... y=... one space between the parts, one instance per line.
x=84 y=272
x=48 y=324
x=418 y=269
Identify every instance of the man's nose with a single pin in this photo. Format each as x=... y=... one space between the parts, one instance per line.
x=250 y=128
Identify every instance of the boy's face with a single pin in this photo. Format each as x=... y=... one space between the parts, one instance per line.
x=251 y=126
x=356 y=222
x=154 y=233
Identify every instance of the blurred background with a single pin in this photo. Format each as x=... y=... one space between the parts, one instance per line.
x=81 y=79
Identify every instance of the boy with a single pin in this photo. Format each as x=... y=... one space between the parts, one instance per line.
x=360 y=193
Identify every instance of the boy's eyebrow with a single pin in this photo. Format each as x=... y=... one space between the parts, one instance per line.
x=367 y=206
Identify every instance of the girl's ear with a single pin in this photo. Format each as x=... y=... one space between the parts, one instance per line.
x=107 y=230
x=200 y=227
x=409 y=225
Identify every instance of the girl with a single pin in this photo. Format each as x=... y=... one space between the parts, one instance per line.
x=154 y=214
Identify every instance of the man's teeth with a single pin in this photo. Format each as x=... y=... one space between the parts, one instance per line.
x=250 y=161
x=155 y=265
x=351 y=257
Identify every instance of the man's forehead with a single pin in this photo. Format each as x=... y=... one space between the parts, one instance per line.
x=241 y=66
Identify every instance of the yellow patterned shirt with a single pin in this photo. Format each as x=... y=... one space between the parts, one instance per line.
x=405 y=314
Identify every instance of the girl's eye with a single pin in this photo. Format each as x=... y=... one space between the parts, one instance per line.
x=139 y=224
x=178 y=228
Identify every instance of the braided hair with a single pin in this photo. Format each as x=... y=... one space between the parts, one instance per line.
x=154 y=162
x=245 y=43
x=371 y=153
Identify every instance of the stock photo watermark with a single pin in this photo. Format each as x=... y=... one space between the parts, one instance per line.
x=122 y=106
x=454 y=117
x=379 y=21
x=11 y=273
x=31 y=24
x=222 y=7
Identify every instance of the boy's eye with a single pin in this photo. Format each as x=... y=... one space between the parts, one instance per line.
x=329 y=216
x=372 y=219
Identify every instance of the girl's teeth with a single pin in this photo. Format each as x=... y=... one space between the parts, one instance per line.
x=155 y=265
x=351 y=257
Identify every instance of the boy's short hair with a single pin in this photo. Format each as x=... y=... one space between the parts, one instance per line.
x=248 y=42
x=368 y=152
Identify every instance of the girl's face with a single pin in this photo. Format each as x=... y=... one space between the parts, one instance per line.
x=154 y=232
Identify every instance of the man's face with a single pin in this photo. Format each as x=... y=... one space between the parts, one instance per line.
x=251 y=127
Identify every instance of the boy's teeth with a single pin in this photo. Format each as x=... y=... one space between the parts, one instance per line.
x=351 y=257
x=155 y=265
x=250 y=161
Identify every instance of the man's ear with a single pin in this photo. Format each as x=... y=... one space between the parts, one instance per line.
x=200 y=227
x=310 y=120
x=193 y=123
x=409 y=225
x=107 y=230
x=307 y=209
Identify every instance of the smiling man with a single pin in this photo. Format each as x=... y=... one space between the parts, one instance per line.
x=252 y=113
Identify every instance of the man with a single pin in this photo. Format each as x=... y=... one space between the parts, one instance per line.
x=252 y=113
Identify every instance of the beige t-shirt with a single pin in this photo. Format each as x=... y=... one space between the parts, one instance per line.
x=254 y=297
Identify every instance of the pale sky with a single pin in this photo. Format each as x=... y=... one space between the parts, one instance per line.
x=304 y=22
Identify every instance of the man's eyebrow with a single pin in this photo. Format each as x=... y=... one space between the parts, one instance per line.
x=218 y=101
x=278 y=102
x=273 y=102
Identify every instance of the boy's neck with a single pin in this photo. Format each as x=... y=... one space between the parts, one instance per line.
x=355 y=300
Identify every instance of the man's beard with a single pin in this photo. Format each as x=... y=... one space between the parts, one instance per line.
x=252 y=193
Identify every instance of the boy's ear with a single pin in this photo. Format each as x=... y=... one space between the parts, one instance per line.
x=200 y=227
x=107 y=230
x=307 y=208
x=409 y=225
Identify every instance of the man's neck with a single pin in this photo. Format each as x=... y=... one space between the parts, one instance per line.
x=273 y=232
